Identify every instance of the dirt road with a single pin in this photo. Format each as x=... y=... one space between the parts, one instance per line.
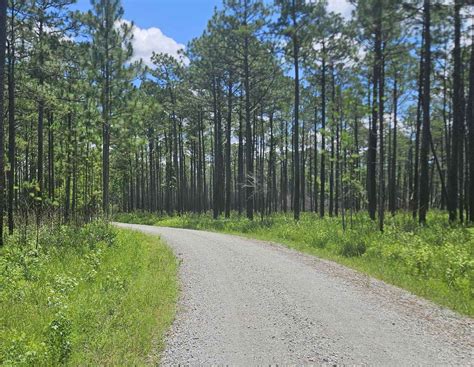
x=247 y=302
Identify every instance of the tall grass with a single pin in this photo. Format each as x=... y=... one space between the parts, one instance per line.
x=435 y=261
x=88 y=296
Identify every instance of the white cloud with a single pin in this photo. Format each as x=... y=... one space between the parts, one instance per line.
x=149 y=40
x=341 y=6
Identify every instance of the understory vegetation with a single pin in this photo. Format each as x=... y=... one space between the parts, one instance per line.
x=85 y=296
x=435 y=261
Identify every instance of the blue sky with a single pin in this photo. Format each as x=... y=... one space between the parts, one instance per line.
x=181 y=20
x=168 y=25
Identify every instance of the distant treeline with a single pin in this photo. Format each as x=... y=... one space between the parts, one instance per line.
x=275 y=107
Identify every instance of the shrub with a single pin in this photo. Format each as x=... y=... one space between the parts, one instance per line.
x=58 y=338
x=351 y=246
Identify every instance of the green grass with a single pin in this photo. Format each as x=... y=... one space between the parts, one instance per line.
x=90 y=296
x=435 y=261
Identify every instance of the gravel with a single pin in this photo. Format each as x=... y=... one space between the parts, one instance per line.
x=247 y=302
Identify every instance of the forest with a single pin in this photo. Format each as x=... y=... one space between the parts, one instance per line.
x=282 y=118
x=275 y=107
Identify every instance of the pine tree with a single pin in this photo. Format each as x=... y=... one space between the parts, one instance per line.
x=111 y=50
x=425 y=144
x=3 y=42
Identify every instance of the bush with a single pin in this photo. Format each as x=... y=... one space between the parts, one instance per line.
x=352 y=246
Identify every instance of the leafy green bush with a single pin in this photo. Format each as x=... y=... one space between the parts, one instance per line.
x=58 y=338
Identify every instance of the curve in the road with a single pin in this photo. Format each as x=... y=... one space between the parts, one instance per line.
x=246 y=302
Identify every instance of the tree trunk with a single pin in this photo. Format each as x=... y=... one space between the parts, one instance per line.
x=151 y=152
x=3 y=41
x=218 y=172
x=381 y=116
x=271 y=179
x=315 y=147
x=303 y=168
x=425 y=143
x=240 y=160
x=248 y=132
x=470 y=122
x=296 y=157
x=372 y=140
x=228 y=162
x=457 y=117
x=67 y=204
x=11 y=122
x=393 y=166
x=338 y=158
x=333 y=148
x=322 y=198
x=51 y=179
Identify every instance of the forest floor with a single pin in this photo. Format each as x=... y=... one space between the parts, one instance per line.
x=434 y=261
x=249 y=302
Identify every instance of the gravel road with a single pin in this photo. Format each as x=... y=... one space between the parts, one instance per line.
x=247 y=302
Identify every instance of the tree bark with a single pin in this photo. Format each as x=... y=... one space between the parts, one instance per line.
x=470 y=122
x=296 y=157
x=228 y=162
x=11 y=121
x=457 y=117
x=425 y=143
x=372 y=140
x=3 y=41
x=322 y=183
x=393 y=179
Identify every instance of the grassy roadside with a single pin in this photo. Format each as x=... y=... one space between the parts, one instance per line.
x=93 y=296
x=435 y=262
